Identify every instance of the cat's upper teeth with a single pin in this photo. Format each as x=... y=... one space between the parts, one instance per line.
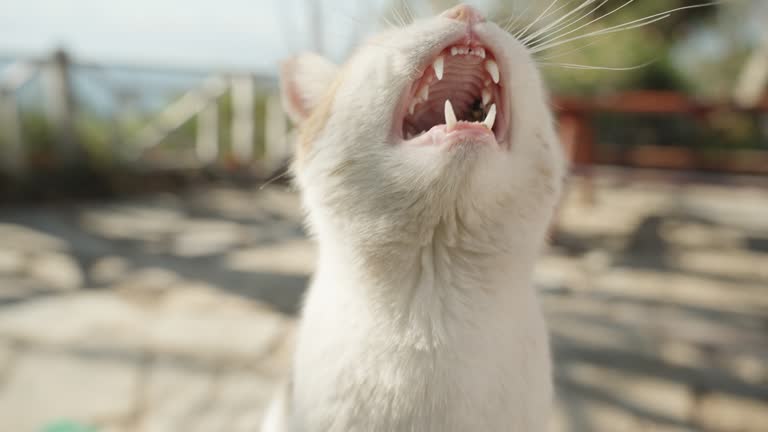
x=465 y=50
x=438 y=65
x=492 y=69
x=484 y=100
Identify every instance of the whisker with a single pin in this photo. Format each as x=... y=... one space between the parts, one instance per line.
x=627 y=3
x=505 y=23
x=408 y=11
x=277 y=177
x=541 y=38
x=563 y=6
x=512 y=26
x=542 y=15
x=523 y=15
x=588 y=67
x=641 y=22
x=563 y=54
x=543 y=34
x=619 y=28
x=399 y=17
x=389 y=22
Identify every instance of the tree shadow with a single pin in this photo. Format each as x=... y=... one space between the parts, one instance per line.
x=757 y=244
x=86 y=246
x=632 y=334
x=645 y=248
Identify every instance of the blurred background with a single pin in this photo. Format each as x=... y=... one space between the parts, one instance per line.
x=152 y=253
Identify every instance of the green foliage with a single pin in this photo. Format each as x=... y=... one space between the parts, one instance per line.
x=37 y=134
x=650 y=48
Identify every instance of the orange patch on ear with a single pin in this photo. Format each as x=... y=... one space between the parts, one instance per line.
x=311 y=128
x=289 y=91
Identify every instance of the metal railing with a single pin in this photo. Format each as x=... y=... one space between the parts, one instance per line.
x=234 y=92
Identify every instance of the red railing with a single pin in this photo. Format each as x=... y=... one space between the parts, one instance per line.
x=578 y=135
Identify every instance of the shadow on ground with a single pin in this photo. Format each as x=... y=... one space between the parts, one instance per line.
x=662 y=324
x=196 y=239
x=657 y=296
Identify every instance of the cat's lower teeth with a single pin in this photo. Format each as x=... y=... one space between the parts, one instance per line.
x=450 y=116
x=485 y=79
x=490 y=119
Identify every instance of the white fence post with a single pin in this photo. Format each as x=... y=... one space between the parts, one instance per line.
x=276 y=142
x=751 y=84
x=243 y=118
x=177 y=113
x=208 y=133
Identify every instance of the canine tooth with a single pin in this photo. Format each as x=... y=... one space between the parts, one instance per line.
x=450 y=116
x=490 y=119
x=454 y=51
x=493 y=69
x=424 y=93
x=412 y=107
x=438 y=66
x=486 y=96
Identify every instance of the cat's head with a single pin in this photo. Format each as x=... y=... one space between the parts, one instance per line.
x=442 y=118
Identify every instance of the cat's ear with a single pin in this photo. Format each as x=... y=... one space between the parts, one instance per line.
x=304 y=80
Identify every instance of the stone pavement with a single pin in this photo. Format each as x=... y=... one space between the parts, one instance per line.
x=176 y=313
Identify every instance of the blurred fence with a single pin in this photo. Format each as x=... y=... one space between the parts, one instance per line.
x=666 y=129
x=57 y=113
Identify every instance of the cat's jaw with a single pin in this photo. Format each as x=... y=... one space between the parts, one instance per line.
x=458 y=97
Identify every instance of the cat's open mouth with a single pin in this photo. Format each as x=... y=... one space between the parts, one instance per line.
x=458 y=93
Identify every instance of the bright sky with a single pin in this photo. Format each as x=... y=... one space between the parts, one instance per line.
x=197 y=33
x=202 y=33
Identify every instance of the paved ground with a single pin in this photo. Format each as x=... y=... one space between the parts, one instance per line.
x=171 y=313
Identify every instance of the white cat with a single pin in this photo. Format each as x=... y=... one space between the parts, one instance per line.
x=430 y=170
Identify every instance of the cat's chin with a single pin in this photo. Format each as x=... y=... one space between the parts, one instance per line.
x=462 y=133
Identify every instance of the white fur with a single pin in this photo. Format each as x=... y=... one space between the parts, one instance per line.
x=422 y=315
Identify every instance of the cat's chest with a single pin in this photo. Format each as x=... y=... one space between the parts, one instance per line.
x=473 y=382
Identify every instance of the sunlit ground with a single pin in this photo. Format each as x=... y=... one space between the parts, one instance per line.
x=176 y=313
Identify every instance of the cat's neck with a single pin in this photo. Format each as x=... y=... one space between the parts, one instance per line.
x=445 y=262
x=427 y=297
